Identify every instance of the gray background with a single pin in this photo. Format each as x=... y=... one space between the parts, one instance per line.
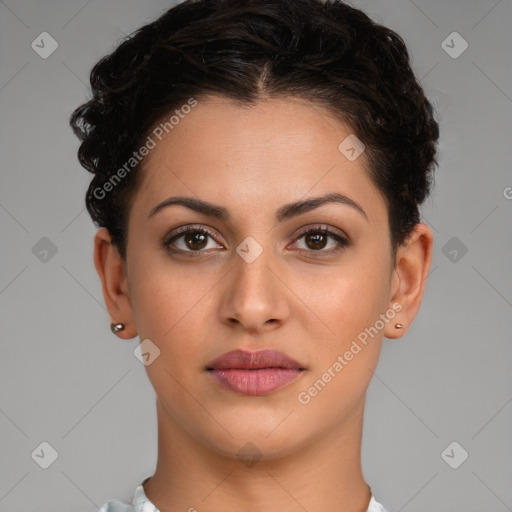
x=68 y=381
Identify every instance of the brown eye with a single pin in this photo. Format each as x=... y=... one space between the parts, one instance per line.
x=192 y=240
x=195 y=240
x=317 y=239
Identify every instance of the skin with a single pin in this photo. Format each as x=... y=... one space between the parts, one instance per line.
x=253 y=161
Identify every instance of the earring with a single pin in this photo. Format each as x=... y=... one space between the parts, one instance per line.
x=399 y=326
x=115 y=328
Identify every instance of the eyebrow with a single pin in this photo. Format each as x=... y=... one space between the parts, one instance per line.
x=285 y=212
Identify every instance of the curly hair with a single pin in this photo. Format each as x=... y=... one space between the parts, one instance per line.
x=323 y=51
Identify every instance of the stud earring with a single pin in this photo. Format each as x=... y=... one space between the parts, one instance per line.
x=115 y=328
x=399 y=326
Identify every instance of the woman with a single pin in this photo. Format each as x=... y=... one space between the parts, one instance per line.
x=258 y=171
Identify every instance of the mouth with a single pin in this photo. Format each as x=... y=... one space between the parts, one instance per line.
x=254 y=373
x=255 y=382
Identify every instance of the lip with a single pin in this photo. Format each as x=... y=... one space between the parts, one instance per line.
x=254 y=373
x=246 y=360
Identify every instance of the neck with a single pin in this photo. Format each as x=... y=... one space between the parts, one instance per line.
x=322 y=475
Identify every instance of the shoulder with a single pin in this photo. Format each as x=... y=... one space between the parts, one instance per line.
x=137 y=503
x=375 y=506
x=116 y=506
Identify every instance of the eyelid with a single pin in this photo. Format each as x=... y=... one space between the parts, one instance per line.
x=322 y=227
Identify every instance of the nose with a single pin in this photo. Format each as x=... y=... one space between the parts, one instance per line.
x=254 y=296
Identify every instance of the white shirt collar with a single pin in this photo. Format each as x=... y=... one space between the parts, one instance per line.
x=141 y=502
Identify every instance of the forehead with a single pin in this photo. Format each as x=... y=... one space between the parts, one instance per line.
x=274 y=151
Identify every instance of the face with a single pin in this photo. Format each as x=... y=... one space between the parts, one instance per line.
x=247 y=277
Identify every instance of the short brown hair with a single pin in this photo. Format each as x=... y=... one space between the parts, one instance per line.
x=324 y=51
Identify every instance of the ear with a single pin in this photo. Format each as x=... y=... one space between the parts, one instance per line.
x=409 y=278
x=111 y=270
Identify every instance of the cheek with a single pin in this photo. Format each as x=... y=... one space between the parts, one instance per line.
x=168 y=304
x=346 y=354
x=346 y=300
x=170 y=313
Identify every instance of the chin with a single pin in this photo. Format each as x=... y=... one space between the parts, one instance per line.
x=250 y=450
x=256 y=440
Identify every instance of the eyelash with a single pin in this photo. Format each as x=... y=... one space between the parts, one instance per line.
x=342 y=241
